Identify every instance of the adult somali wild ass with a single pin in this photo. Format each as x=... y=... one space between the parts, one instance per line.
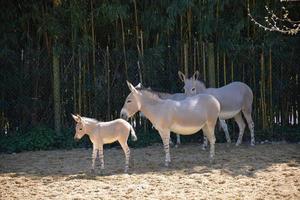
x=235 y=98
x=175 y=97
x=101 y=133
x=184 y=117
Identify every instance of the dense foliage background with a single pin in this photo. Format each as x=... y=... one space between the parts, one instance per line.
x=73 y=56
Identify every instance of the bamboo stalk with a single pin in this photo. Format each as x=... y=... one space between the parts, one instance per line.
x=79 y=82
x=224 y=68
x=218 y=68
x=74 y=94
x=198 y=55
x=232 y=71
x=262 y=95
x=93 y=54
x=270 y=87
x=204 y=62
x=108 y=82
x=186 y=61
x=211 y=65
x=189 y=24
x=124 y=48
x=56 y=90
x=136 y=22
x=195 y=55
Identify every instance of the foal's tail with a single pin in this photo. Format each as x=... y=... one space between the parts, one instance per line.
x=133 y=135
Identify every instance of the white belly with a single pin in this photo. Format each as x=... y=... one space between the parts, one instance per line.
x=228 y=114
x=185 y=130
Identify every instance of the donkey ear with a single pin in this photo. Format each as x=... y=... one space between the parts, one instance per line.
x=132 y=88
x=76 y=118
x=139 y=85
x=196 y=75
x=181 y=76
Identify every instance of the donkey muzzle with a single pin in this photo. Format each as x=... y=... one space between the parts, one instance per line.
x=123 y=115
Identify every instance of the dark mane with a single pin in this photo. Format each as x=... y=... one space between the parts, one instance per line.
x=156 y=93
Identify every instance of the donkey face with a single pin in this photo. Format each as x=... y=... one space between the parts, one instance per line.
x=189 y=87
x=132 y=103
x=192 y=85
x=79 y=127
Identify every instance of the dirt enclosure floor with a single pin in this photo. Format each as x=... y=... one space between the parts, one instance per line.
x=269 y=171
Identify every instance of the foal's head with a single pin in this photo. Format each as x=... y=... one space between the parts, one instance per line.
x=80 y=127
x=192 y=85
x=132 y=102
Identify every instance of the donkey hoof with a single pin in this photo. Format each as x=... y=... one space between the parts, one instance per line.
x=252 y=144
x=203 y=148
x=92 y=171
x=176 y=146
x=237 y=144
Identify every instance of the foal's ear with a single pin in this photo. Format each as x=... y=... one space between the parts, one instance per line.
x=196 y=75
x=76 y=118
x=181 y=76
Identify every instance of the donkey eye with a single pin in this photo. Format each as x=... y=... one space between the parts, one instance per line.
x=129 y=101
x=80 y=129
x=193 y=89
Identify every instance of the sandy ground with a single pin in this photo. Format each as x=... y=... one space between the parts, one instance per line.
x=270 y=171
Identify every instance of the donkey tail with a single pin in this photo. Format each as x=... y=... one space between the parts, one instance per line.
x=133 y=135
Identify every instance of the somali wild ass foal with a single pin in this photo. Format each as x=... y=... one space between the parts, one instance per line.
x=184 y=117
x=235 y=98
x=101 y=133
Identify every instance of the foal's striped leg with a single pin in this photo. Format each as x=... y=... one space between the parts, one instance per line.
x=101 y=157
x=94 y=156
x=127 y=154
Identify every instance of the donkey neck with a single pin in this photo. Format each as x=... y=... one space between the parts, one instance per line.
x=150 y=107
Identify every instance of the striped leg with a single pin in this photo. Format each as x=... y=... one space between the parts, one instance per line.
x=94 y=156
x=209 y=132
x=225 y=128
x=101 y=157
x=165 y=135
x=127 y=155
x=250 y=122
x=239 y=120
x=178 y=142
x=204 y=146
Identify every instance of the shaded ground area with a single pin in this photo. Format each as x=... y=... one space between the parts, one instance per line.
x=270 y=171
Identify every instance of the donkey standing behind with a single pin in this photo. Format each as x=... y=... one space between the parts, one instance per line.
x=235 y=98
x=185 y=117
x=101 y=133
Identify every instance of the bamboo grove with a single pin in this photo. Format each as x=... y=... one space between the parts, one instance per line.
x=74 y=56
